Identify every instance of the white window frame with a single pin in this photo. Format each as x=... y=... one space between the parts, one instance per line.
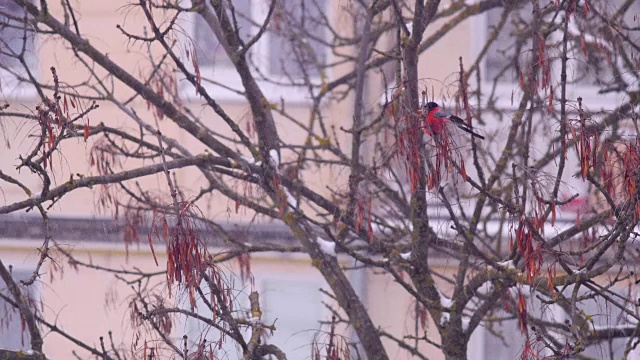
x=11 y=88
x=259 y=54
x=504 y=89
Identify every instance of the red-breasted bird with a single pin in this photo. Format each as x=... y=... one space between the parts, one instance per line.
x=436 y=120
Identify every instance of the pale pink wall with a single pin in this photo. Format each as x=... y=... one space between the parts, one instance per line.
x=394 y=312
x=89 y=303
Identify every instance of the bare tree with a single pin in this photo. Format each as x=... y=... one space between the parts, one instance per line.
x=411 y=191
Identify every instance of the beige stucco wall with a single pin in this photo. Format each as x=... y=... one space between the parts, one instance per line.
x=88 y=303
x=395 y=312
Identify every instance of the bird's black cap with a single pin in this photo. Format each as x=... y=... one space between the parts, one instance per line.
x=431 y=105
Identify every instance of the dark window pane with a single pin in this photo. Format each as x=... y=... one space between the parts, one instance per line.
x=590 y=58
x=504 y=341
x=297 y=36
x=208 y=48
x=604 y=314
x=512 y=45
x=12 y=335
x=13 y=38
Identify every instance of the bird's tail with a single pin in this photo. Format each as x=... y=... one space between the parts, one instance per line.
x=464 y=126
x=471 y=132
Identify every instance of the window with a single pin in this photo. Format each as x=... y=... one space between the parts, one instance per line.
x=511 y=45
x=209 y=50
x=292 y=301
x=295 y=306
x=12 y=335
x=504 y=340
x=290 y=53
x=294 y=53
x=590 y=58
x=16 y=40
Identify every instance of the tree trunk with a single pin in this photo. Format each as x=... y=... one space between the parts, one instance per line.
x=454 y=344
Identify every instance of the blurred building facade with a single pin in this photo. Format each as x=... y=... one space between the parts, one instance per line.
x=89 y=303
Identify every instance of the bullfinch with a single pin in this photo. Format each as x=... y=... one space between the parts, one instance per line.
x=436 y=120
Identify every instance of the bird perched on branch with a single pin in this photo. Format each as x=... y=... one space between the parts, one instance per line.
x=435 y=120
